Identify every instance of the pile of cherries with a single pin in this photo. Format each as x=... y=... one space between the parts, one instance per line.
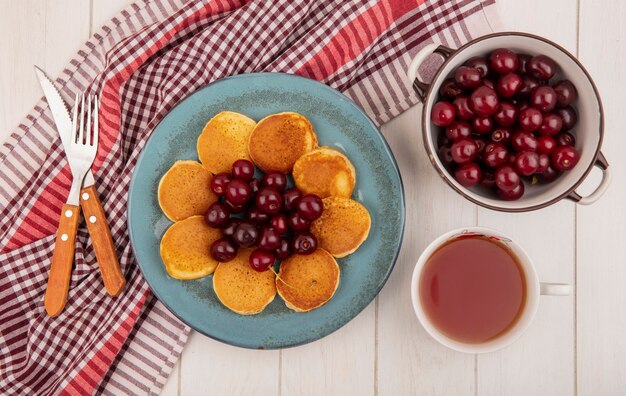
x=261 y=213
x=502 y=120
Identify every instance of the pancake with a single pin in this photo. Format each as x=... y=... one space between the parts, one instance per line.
x=342 y=227
x=279 y=140
x=325 y=172
x=242 y=289
x=307 y=282
x=185 y=190
x=186 y=248
x=224 y=140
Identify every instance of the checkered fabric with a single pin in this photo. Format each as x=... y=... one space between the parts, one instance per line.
x=143 y=62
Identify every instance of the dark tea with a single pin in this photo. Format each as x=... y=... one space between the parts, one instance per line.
x=473 y=288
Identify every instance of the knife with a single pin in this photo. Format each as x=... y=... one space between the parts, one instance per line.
x=91 y=206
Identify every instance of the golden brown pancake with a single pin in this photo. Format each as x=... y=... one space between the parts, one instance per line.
x=242 y=289
x=224 y=140
x=185 y=190
x=307 y=282
x=342 y=227
x=325 y=172
x=279 y=140
x=186 y=248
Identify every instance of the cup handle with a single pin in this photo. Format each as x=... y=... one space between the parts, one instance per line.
x=421 y=87
x=607 y=176
x=555 y=289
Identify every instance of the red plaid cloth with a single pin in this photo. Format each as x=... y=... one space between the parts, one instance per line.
x=143 y=62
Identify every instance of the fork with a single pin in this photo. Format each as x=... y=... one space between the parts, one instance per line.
x=80 y=155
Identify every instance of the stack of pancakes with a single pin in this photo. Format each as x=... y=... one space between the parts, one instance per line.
x=284 y=142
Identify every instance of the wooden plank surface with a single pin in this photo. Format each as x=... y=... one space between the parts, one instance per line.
x=575 y=345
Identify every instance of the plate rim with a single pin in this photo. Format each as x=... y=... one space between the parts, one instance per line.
x=402 y=207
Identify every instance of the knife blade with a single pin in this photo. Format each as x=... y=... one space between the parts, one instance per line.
x=60 y=114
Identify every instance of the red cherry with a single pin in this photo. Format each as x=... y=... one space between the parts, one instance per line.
x=246 y=234
x=468 y=175
x=238 y=192
x=458 y=129
x=541 y=67
x=495 y=155
x=467 y=77
x=530 y=119
x=464 y=150
x=528 y=84
x=223 y=250
x=543 y=98
x=482 y=125
x=462 y=108
x=513 y=194
x=284 y=250
x=506 y=114
x=565 y=139
x=219 y=183
x=524 y=141
x=310 y=207
x=229 y=230
x=275 y=180
x=269 y=201
x=297 y=223
x=545 y=144
x=480 y=63
x=489 y=179
x=243 y=169
x=290 y=197
x=261 y=260
x=523 y=60
x=564 y=158
x=568 y=114
x=501 y=135
x=449 y=89
x=507 y=178
x=304 y=243
x=445 y=156
x=257 y=217
x=508 y=85
x=484 y=101
x=279 y=223
x=551 y=124
x=503 y=61
x=544 y=163
x=566 y=93
x=548 y=175
x=442 y=114
x=218 y=215
x=269 y=239
x=527 y=163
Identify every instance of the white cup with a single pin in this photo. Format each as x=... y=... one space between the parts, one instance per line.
x=534 y=289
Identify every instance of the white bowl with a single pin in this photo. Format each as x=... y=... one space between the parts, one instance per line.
x=588 y=131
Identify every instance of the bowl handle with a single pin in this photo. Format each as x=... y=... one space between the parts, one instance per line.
x=607 y=175
x=420 y=87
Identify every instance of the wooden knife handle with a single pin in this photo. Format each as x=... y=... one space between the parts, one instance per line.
x=62 y=260
x=104 y=248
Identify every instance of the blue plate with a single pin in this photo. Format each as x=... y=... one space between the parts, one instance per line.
x=339 y=123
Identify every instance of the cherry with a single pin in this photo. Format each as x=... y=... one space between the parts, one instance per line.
x=548 y=175
x=495 y=155
x=275 y=180
x=468 y=175
x=524 y=141
x=269 y=201
x=480 y=63
x=246 y=234
x=238 y=192
x=458 y=129
x=565 y=139
x=503 y=61
x=488 y=83
x=219 y=183
x=501 y=135
x=543 y=98
x=568 y=114
x=551 y=124
x=512 y=195
x=279 y=223
x=310 y=207
x=223 y=250
x=527 y=163
x=464 y=150
x=484 y=101
x=565 y=93
x=442 y=139
x=243 y=169
x=545 y=144
x=284 y=250
x=528 y=84
x=544 y=163
x=290 y=197
x=482 y=125
x=261 y=260
x=530 y=119
x=506 y=178
x=506 y=115
x=229 y=230
x=467 y=77
x=218 y=215
x=445 y=155
x=508 y=85
x=481 y=142
x=257 y=217
x=489 y=179
x=449 y=89
x=462 y=108
x=523 y=61
x=297 y=223
x=234 y=208
x=255 y=185
x=442 y=114
x=304 y=243
x=564 y=158
x=270 y=239
x=541 y=66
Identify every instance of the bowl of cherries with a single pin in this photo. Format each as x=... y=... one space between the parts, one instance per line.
x=261 y=213
x=511 y=121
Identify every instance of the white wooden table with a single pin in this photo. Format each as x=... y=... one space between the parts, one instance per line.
x=576 y=345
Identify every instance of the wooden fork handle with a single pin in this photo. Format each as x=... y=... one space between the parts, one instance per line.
x=62 y=260
x=104 y=248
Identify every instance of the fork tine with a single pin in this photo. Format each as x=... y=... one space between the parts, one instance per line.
x=74 y=119
x=81 y=133
x=88 y=124
x=96 y=130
